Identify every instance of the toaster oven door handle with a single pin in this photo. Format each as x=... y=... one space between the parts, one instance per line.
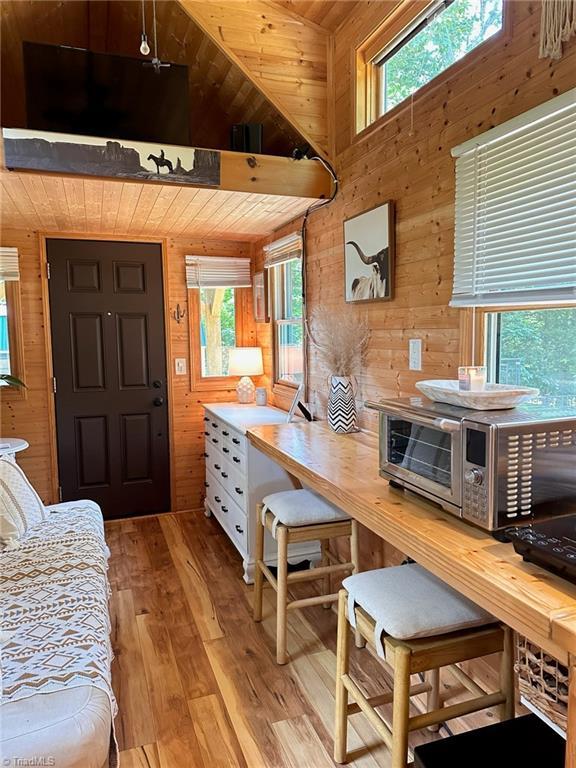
x=437 y=422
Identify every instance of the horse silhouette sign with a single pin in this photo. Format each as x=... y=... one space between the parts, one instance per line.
x=94 y=156
x=369 y=254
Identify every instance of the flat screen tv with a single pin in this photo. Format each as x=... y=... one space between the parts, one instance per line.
x=71 y=90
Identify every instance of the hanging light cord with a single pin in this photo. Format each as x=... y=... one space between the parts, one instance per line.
x=154 y=22
x=143 y=20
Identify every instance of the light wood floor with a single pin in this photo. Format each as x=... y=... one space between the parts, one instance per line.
x=195 y=677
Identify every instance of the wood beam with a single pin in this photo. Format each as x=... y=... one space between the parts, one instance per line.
x=285 y=58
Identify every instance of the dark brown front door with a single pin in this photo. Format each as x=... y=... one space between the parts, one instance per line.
x=108 y=345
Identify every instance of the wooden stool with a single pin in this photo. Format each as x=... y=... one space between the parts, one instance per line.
x=417 y=624
x=298 y=516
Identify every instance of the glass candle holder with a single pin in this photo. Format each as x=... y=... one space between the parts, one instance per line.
x=472 y=378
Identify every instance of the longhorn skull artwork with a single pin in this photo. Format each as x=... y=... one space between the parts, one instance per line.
x=369 y=239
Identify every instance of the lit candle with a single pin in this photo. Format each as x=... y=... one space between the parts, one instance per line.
x=472 y=378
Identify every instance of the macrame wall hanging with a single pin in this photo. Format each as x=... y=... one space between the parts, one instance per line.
x=557 y=26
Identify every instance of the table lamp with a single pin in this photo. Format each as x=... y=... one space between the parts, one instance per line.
x=245 y=362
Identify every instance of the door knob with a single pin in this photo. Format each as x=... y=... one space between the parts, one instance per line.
x=158 y=401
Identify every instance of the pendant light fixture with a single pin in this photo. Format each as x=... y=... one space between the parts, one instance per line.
x=144 y=47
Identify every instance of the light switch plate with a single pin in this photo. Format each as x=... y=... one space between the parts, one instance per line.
x=415 y=354
x=181 y=367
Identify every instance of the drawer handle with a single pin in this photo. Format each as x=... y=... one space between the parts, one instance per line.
x=226 y=450
x=217 y=466
x=215 y=440
x=225 y=433
x=224 y=475
x=240 y=530
x=206 y=418
x=236 y=459
x=223 y=508
x=218 y=499
x=206 y=484
x=205 y=455
x=214 y=425
x=239 y=491
x=207 y=434
x=235 y=441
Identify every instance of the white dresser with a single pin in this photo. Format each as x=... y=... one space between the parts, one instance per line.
x=238 y=477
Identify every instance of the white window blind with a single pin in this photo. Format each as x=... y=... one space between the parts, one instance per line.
x=217 y=272
x=283 y=250
x=515 y=233
x=9 y=269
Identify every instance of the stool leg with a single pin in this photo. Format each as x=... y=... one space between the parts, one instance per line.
x=258 y=575
x=326 y=580
x=282 y=597
x=342 y=658
x=433 y=696
x=355 y=560
x=507 y=710
x=401 y=707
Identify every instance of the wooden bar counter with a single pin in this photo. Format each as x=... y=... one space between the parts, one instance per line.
x=344 y=469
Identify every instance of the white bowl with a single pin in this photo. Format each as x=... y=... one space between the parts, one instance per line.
x=494 y=397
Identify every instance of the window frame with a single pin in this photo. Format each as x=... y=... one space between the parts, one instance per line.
x=283 y=386
x=473 y=328
x=242 y=305
x=393 y=27
x=15 y=341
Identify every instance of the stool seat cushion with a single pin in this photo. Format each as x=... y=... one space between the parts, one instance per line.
x=301 y=507
x=408 y=602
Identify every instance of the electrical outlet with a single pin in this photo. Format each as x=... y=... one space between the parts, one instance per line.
x=180 y=365
x=415 y=354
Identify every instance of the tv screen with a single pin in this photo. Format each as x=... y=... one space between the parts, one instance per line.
x=70 y=90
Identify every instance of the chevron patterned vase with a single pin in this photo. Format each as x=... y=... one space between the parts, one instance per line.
x=342 y=405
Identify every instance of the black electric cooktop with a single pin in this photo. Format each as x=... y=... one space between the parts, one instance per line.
x=549 y=543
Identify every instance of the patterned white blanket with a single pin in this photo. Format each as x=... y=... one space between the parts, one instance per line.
x=55 y=626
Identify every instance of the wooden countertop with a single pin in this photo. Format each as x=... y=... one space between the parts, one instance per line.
x=344 y=469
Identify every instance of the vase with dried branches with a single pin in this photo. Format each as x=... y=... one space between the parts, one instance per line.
x=342 y=343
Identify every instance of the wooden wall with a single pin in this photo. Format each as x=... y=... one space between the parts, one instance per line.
x=414 y=168
x=29 y=418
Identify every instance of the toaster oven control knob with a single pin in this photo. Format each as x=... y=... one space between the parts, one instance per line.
x=474 y=476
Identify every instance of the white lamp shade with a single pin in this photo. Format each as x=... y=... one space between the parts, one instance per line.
x=245 y=361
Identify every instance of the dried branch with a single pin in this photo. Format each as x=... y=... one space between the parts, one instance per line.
x=341 y=340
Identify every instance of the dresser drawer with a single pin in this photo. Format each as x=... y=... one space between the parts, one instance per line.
x=235 y=441
x=234 y=483
x=229 y=514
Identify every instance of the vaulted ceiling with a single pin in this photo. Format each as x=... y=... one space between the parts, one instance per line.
x=220 y=91
x=328 y=14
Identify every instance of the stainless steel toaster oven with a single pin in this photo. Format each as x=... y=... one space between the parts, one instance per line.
x=492 y=468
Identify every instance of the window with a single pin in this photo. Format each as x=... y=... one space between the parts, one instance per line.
x=408 y=52
x=535 y=348
x=284 y=260
x=217 y=299
x=5 y=365
x=217 y=329
x=11 y=341
x=288 y=322
x=444 y=34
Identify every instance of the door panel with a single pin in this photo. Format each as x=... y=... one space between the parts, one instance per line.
x=107 y=318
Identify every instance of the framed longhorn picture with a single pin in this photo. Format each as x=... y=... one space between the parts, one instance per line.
x=369 y=255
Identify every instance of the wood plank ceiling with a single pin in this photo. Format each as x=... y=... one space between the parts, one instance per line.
x=220 y=93
x=282 y=53
x=328 y=14
x=53 y=203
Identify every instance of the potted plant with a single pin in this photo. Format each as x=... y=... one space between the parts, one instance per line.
x=11 y=381
x=342 y=343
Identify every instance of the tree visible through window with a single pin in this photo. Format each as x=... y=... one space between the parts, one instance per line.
x=535 y=348
x=288 y=322
x=217 y=329
x=453 y=29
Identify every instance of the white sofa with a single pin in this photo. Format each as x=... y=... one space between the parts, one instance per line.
x=57 y=703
